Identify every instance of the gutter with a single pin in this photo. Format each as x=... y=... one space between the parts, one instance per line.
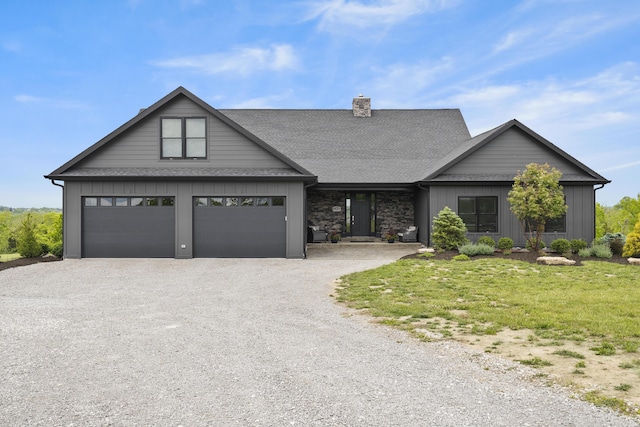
x=594 y=207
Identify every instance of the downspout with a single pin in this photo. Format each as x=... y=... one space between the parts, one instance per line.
x=305 y=226
x=53 y=181
x=594 y=209
x=428 y=213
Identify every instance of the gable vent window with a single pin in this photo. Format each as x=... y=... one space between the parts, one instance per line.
x=183 y=138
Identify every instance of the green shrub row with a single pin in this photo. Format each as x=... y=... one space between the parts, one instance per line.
x=478 y=249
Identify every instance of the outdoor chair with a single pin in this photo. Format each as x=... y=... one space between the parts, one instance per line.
x=409 y=235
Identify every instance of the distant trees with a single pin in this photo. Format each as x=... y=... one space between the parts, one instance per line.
x=20 y=228
x=620 y=218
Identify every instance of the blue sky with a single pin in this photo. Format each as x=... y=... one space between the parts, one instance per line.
x=73 y=71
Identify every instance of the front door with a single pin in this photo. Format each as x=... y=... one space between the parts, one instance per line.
x=361 y=214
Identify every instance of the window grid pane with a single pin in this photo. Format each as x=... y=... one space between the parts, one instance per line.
x=172 y=128
x=217 y=201
x=196 y=147
x=195 y=128
x=171 y=147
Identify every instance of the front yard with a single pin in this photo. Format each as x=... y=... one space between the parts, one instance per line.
x=578 y=324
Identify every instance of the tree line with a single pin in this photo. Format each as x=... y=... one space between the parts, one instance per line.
x=30 y=232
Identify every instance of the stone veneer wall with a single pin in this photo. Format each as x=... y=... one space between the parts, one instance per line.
x=394 y=210
x=320 y=210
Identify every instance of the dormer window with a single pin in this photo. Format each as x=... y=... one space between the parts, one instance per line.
x=183 y=138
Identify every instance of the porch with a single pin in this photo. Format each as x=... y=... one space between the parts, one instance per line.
x=357 y=248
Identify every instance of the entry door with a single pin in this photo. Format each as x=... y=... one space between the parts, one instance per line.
x=361 y=214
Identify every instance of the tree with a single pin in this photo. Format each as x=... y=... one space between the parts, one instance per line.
x=632 y=246
x=28 y=245
x=535 y=198
x=449 y=230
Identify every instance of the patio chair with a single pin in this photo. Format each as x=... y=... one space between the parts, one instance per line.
x=409 y=235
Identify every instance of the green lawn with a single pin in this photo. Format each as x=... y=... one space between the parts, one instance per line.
x=598 y=300
x=8 y=257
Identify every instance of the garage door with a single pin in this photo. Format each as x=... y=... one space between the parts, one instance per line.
x=239 y=227
x=128 y=227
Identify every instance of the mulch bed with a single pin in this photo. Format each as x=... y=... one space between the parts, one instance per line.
x=26 y=261
x=521 y=256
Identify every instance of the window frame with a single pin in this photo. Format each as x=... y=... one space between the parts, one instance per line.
x=184 y=139
x=478 y=214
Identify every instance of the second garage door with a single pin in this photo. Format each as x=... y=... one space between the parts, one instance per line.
x=239 y=227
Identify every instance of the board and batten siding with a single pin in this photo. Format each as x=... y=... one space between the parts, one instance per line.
x=580 y=217
x=183 y=193
x=140 y=145
x=508 y=154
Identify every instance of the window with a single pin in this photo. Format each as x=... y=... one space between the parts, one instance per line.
x=183 y=138
x=479 y=214
x=125 y=202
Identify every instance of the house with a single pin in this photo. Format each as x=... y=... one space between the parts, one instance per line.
x=183 y=179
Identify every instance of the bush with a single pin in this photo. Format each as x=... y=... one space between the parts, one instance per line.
x=601 y=251
x=542 y=245
x=449 y=230
x=585 y=252
x=473 y=250
x=632 y=246
x=505 y=243
x=615 y=241
x=561 y=246
x=56 y=249
x=461 y=257
x=486 y=240
x=577 y=245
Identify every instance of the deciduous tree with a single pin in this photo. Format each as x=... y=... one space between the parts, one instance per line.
x=535 y=198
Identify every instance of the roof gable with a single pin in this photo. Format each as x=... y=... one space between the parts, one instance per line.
x=498 y=155
x=138 y=139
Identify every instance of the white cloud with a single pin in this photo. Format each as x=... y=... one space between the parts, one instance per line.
x=243 y=61
x=336 y=14
x=402 y=85
x=54 y=103
x=622 y=166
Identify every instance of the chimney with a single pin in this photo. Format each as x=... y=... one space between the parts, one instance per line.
x=361 y=106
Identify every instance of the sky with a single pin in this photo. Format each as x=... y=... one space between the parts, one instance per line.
x=73 y=71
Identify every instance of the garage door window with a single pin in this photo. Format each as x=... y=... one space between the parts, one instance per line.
x=123 y=202
x=234 y=202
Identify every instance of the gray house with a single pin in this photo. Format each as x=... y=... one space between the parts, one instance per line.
x=183 y=179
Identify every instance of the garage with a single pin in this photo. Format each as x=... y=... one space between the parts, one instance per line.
x=239 y=227
x=128 y=227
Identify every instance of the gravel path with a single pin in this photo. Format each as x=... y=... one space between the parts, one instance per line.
x=239 y=342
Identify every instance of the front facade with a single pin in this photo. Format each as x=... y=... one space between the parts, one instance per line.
x=183 y=180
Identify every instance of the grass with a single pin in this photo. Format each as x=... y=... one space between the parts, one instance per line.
x=598 y=300
x=8 y=257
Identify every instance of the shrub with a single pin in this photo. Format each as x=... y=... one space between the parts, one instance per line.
x=542 y=245
x=505 y=243
x=461 y=257
x=601 y=251
x=486 y=240
x=632 y=246
x=585 y=252
x=615 y=241
x=473 y=250
x=577 y=244
x=449 y=230
x=56 y=249
x=561 y=246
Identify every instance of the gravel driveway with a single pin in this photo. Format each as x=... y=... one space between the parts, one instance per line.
x=239 y=342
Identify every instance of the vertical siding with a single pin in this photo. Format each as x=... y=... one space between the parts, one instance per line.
x=183 y=193
x=508 y=154
x=140 y=146
x=580 y=217
x=423 y=216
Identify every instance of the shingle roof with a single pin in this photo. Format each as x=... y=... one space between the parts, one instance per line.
x=179 y=172
x=391 y=146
